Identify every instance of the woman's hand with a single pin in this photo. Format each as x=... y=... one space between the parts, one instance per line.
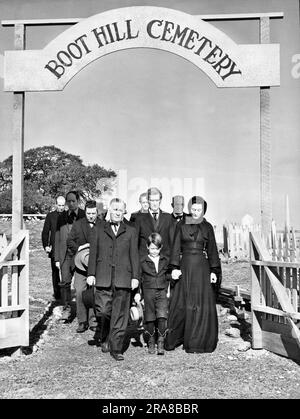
x=176 y=273
x=213 y=278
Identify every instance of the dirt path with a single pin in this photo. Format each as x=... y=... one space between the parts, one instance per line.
x=65 y=366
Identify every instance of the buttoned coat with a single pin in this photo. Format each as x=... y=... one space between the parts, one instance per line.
x=144 y=225
x=174 y=225
x=80 y=234
x=49 y=230
x=62 y=233
x=108 y=250
x=152 y=279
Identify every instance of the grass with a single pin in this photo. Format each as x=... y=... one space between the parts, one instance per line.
x=66 y=366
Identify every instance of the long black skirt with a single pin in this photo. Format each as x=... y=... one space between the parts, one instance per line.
x=193 y=319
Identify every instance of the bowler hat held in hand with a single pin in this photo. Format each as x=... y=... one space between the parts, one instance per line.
x=81 y=258
x=136 y=312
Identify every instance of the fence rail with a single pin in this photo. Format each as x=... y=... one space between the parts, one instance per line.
x=14 y=292
x=25 y=216
x=282 y=245
x=275 y=302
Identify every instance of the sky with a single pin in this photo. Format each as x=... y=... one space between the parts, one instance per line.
x=159 y=120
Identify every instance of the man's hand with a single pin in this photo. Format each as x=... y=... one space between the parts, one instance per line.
x=91 y=280
x=57 y=264
x=137 y=298
x=176 y=274
x=134 y=283
x=213 y=278
x=48 y=249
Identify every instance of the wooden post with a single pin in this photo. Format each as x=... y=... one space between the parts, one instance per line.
x=265 y=142
x=18 y=144
x=256 y=296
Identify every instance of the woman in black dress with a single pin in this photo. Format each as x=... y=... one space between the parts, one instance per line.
x=193 y=319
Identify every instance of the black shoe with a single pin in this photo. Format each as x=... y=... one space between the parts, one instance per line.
x=105 y=347
x=93 y=328
x=66 y=314
x=82 y=327
x=94 y=342
x=117 y=357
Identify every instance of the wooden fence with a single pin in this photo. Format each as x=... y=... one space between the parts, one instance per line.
x=14 y=292
x=3 y=242
x=275 y=302
x=6 y=217
x=282 y=245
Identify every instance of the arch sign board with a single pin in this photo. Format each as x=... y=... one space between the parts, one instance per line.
x=225 y=62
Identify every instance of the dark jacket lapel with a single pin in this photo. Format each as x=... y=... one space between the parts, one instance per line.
x=160 y=220
x=108 y=230
x=150 y=221
x=85 y=225
x=122 y=229
x=162 y=263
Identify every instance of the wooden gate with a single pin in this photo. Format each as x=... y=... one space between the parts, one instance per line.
x=274 y=302
x=14 y=292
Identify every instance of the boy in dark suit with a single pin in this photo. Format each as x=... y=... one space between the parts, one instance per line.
x=155 y=278
x=48 y=240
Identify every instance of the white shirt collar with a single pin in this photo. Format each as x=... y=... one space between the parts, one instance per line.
x=151 y=212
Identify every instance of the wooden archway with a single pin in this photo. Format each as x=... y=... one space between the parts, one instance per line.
x=226 y=63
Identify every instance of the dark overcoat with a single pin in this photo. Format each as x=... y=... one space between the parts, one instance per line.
x=145 y=225
x=62 y=233
x=49 y=230
x=174 y=224
x=80 y=234
x=120 y=251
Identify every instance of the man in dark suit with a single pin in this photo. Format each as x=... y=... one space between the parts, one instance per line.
x=81 y=234
x=63 y=260
x=143 y=200
x=48 y=240
x=178 y=215
x=114 y=269
x=154 y=221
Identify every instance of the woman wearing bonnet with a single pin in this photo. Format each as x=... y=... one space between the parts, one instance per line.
x=193 y=319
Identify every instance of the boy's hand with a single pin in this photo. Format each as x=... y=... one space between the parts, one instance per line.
x=137 y=298
x=176 y=273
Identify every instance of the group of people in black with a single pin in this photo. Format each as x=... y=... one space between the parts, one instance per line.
x=167 y=263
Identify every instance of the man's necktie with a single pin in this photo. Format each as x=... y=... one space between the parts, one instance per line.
x=155 y=216
x=114 y=227
x=71 y=217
